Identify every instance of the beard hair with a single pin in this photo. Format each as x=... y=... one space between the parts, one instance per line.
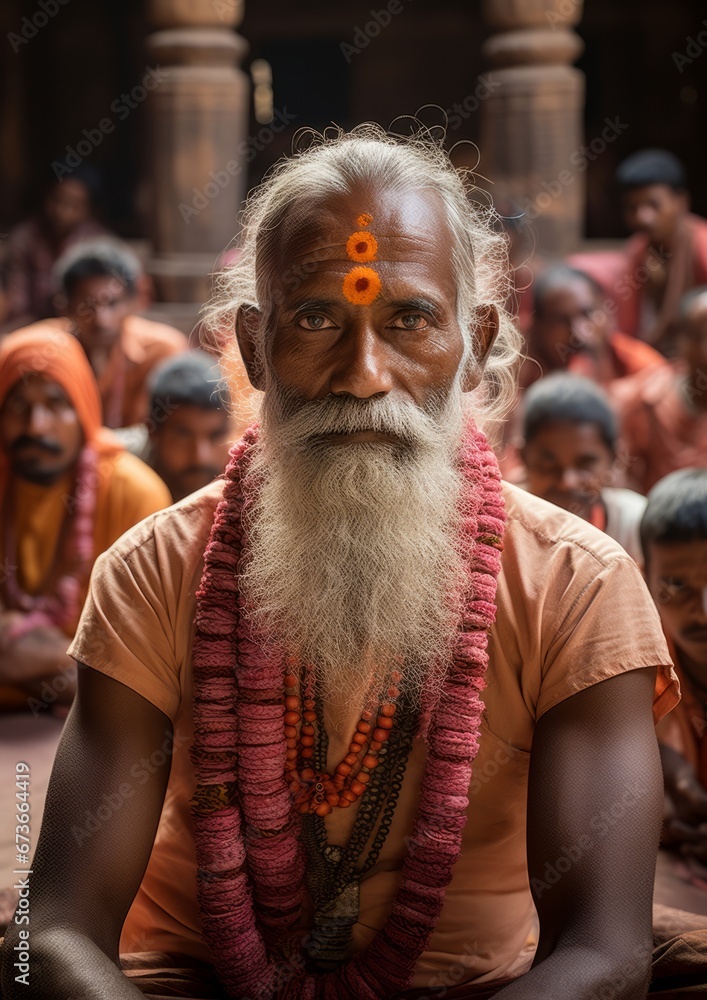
x=356 y=554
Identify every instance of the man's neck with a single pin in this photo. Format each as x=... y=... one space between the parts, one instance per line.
x=695 y=672
x=693 y=390
x=664 y=248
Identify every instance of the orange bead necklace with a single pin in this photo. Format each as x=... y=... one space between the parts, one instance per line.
x=315 y=791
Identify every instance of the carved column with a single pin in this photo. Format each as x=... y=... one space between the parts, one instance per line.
x=532 y=129
x=198 y=119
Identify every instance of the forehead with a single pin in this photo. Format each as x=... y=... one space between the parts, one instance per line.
x=686 y=559
x=99 y=286
x=567 y=438
x=410 y=229
x=36 y=387
x=653 y=193
x=69 y=192
x=696 y=318
x=572 y=294
x=197 y=417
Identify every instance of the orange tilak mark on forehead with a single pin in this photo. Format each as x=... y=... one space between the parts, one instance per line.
x=361 y=286
x=364 y=219
x=362 y=247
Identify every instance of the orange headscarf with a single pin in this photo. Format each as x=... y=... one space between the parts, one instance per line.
x=49 y=351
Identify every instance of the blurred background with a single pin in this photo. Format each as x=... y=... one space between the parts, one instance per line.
x=529 y=82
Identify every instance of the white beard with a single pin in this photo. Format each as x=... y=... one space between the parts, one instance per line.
x=356 y=561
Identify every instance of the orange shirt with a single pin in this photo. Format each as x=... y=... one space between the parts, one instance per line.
x=685 y=729
x=572 y=611
x=631 y=356
x=123 y=383
x=659 y=432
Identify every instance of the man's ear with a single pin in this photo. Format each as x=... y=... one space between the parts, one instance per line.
x=485 y=327
x=248 y=320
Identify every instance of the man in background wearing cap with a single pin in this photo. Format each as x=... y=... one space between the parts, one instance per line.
x=185 y=438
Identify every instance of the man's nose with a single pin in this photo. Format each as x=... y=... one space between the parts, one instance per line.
x=582 y=329
x=362 y=365
x=571 y=480
x=39 y=420
x=103 y=315
x=203 y=452
x=704 y=601
x=645 y=217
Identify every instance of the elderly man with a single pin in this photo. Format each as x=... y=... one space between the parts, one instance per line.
x=326 y=672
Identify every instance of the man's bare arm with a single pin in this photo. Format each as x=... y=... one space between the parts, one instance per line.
x=84 y=879
x=594 y=814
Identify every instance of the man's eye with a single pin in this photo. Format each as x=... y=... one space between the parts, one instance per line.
x=411 y=321
x=315 y=321
x=671 y=588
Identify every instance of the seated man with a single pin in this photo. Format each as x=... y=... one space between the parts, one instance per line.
x=674 y=537
x=97 y=286
x=185 y=437
x=68 y=490
x=358 y=815
x=664 y=412
x=569 y=456
x=665 y=258
x=571 y=329
x=33 y=247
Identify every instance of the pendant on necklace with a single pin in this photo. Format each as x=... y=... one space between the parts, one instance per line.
x=329 y=942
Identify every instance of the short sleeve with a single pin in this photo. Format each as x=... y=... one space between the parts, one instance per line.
x=125 y=630
x=612 y=627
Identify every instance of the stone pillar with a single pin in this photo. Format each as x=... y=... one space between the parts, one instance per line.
x=532 y=120
x=198 y=118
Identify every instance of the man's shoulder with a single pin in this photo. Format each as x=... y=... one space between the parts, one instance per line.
x=537 y=530
x=23 y=236
x=144 y=338
x=130 y=473
x=645 y=388
x=625 y=501
x=180 y=531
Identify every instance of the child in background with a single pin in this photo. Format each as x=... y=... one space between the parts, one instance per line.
x=569 y=456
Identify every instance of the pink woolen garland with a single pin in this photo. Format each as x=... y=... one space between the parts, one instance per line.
x=239 y=694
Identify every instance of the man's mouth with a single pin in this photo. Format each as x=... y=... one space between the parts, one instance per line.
x=696 y=635
x=360 y=437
